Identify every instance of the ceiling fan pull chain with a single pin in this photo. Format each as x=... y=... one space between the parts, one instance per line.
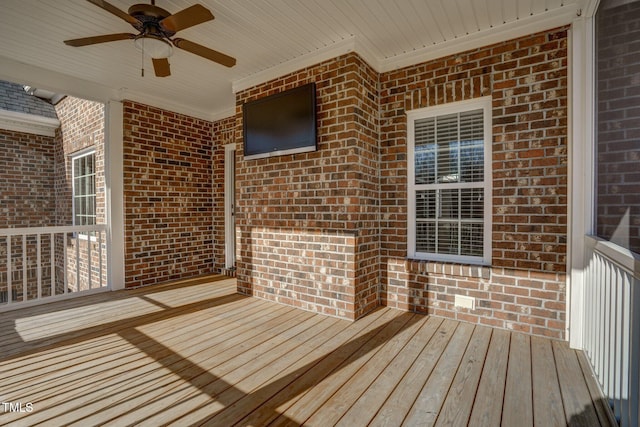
x=142 y=58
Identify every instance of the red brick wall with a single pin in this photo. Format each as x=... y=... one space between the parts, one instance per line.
x=26 y=200
x=167 y=195
x=82 y=124
x=308 y=222
x=314 y=225
x=525 y=287
x=26 y=180
x=36 y=189
x=81 y=127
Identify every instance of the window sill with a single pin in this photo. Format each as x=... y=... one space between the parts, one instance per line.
x=449 y=268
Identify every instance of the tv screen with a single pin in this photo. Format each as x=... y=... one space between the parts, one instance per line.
x=284 y=123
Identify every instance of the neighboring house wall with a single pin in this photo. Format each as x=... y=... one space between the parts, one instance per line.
x=26 y=180
x=168 y=202
x=618 y=125
x=26 y=200
x=309 y=222
x=313 y=225
x=35 y=188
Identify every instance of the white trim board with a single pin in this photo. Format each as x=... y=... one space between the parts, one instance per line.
x=28 y=123
x=229 y=206
x=114 y=185
x=508 y=31
x=484 y=104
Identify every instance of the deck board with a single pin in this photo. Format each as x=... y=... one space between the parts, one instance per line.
x=341 y=401
x=385 y=383
x=457 y=406
x=518 y=400
x=397 y=406
x=427 y=406
x=487 y=406
x=548 y=410
x=579 y=408
x=195 y=353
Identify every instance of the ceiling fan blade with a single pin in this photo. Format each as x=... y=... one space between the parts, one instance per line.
x=114 y=10
x=99 y=39
x=193 y=15
x=205 y=52
x=161 y=67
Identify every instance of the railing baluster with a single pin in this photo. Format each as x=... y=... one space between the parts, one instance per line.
x=52 y=245
x=9 y=273
x=77 y=262
x=615 y=337
x=100 y=255
x=588 y=298
x=65 y=261
x=598 y=304
x=24 y=267
x=604 y=350
x=39 y=265
x=89 y=258
x=625 y=312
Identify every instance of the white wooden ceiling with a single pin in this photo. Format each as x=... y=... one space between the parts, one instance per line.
x=268 y=38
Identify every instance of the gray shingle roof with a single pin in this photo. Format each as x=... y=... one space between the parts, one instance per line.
x=14 y=98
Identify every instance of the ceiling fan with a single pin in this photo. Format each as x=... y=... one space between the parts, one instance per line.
x=156 y=27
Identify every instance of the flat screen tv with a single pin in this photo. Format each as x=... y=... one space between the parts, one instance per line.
x=284 y=123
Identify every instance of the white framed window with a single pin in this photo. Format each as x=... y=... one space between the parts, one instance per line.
x=449 y=182
x=83 y=172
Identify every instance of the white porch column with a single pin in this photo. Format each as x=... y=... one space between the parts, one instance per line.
x=580 y=172
x=115 y=193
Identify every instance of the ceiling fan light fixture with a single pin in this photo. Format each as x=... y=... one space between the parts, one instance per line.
x=153 y=46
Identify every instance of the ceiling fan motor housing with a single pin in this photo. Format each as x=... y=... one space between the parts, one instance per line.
x=150 y=17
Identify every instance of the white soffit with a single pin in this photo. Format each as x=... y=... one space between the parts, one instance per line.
x=269 y=38
x=511 y=30
x=507 y=31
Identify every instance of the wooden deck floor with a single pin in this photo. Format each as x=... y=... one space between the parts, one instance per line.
x=195 y=353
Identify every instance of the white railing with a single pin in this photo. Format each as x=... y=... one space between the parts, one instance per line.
x=612 y=325
x=42 y=264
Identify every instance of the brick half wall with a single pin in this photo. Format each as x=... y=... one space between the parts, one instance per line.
x=327 y=197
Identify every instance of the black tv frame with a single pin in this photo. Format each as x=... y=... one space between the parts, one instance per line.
x=267 y=104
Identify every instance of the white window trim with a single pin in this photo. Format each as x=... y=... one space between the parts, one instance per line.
x=73 y=157
x=483 y=103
